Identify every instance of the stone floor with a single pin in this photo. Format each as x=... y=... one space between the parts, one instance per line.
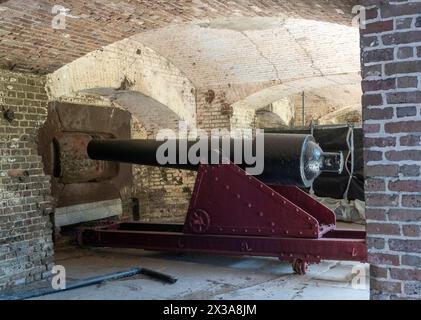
x=208 y=277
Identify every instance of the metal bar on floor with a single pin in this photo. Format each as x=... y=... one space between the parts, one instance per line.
x=72 y=286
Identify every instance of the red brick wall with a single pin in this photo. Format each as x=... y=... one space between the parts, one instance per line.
x=391 y=52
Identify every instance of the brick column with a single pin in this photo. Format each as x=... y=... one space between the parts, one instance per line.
x=391 y=65
x=26 y=247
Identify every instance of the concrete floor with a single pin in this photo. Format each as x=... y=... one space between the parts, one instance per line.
x=206 y=277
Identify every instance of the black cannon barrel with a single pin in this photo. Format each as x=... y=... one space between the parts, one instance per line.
x=286 y=159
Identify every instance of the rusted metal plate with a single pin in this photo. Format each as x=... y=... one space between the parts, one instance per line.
x=169 y=238
x=76 y=179
x=228 y=201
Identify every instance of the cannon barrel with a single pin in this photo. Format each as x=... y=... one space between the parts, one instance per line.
x=288 y=159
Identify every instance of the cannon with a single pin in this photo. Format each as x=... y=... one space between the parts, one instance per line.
x=287 y=159
x=232 y=212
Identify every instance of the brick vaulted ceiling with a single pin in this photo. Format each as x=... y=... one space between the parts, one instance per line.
x=255 y=50
x=29 y=43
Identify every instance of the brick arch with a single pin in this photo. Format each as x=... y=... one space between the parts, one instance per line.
x=148 y=115
x=278 y=114
x=350 y=114
x=127 y=65
x=244 y=110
